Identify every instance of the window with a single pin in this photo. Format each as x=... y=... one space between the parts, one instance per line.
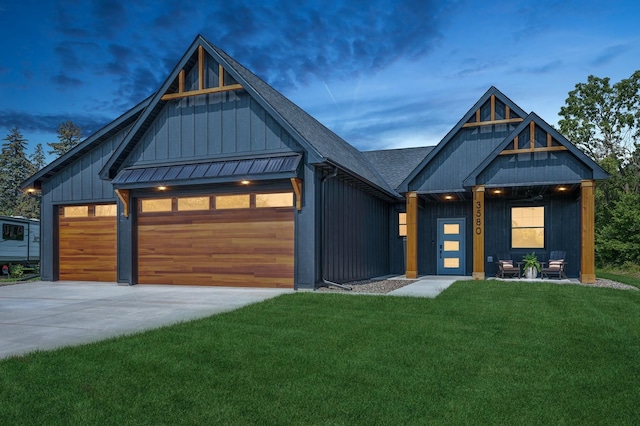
x=12 y=232
x=76 y=211
x=284 y=199
x=193 y=203
x=527 y=227
x=156 y=205
x=233 y=201
x=402 y=224
x=106 y=210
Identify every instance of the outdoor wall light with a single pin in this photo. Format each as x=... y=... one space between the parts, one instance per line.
x=497 y=191
x=245 y=182
x=448 y=197
x=162 y=188
x=562 y=188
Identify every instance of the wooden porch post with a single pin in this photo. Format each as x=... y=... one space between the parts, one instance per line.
x=478 y=232
x=587 y=237
x=412 y=235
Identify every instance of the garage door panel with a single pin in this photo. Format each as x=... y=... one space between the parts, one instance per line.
x=249 y=247
x=87 y=248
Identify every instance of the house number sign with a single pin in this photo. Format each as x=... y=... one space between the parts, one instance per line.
x=478 y=214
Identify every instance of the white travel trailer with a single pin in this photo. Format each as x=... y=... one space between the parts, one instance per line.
x=20 y=241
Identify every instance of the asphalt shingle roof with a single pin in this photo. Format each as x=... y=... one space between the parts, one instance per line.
x=395 y=164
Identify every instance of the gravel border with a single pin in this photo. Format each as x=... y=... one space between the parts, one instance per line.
x=386 y=286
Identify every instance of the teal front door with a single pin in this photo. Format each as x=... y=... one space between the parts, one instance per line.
x=451 y=246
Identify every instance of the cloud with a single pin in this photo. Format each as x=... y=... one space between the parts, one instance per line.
x=608 y=54
x=48 y=123
x=64 y=81
x=110 y=16
x=335 y=39
x=546 y=68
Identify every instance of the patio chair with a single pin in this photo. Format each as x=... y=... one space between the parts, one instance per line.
x=555 y=266
x=506 y=269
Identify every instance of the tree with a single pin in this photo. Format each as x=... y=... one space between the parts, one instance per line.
x=604 y=121
x=14 y=169
x=38 y=159
x=69 y=135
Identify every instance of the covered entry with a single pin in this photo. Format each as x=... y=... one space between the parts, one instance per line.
x=87 y=243
x=242 y=239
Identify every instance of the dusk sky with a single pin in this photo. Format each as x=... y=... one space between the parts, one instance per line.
x=381 y=74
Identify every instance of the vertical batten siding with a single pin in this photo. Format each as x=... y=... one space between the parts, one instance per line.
x=396 y=242
x=78 y=182
x=199 y=127
x=461 y=155
x=561 y=214
x=428 y=233
x=356 y=236
x=540 y=167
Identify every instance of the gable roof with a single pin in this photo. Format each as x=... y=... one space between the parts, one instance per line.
x=597 y=171
x=321 y=144
x=395 y=164
x=493 y=91
x=86 y=145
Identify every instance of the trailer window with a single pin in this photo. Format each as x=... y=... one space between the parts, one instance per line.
x=12 y=232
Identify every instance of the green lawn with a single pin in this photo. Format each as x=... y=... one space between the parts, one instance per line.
x=480 y=353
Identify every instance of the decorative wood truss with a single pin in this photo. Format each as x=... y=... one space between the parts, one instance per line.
x=221 y=87
x=493 y=119
x=530 y=145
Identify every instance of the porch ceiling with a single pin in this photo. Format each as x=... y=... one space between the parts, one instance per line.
x=528 y=193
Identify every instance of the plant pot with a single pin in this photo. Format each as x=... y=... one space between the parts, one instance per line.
x=530 y=273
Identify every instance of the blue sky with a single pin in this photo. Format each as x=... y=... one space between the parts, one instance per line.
x=381 y=74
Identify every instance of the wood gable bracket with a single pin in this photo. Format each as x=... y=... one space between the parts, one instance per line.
x=517 y=147
x=492 y=119
x=297 y=189
x=201 y=90
x=123 y=195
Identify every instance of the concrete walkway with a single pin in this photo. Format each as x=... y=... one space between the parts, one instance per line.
x=47 y=315
x=427 y=286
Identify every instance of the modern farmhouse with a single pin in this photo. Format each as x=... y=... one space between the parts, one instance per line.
x=218 y=179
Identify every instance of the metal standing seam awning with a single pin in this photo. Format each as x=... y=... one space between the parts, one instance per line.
x=219 y=171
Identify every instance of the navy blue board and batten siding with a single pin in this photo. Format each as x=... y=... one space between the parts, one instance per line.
x=562 y=218
x=77 y=183
x=356 y=241
x=228 y=125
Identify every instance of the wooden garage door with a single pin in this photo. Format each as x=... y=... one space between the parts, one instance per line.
x=87 y=243
x=215 y=241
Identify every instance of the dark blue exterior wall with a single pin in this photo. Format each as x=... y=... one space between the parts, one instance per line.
x=534 y=168
x=459 y=157
x=397 y=260
x=356 y=233
x=76 y=184
x=562 y=225
x=217 y=125
x=428 y=216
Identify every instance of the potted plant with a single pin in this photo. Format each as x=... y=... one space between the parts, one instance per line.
x=531 y=265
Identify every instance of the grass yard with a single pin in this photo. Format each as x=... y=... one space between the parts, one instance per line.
x=480 y=353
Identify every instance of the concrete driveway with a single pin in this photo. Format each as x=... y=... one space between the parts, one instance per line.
x=47 y=315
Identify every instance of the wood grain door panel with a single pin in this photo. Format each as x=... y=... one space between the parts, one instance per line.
x=248 y=247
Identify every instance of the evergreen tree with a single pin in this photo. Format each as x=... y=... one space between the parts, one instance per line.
x=38 y=159
x=15 y=167
x=69 y=135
